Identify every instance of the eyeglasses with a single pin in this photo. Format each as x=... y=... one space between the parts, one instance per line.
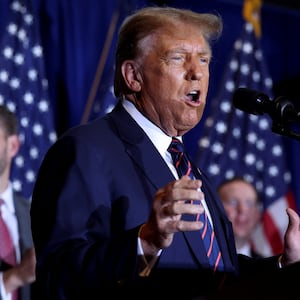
x=248 y=203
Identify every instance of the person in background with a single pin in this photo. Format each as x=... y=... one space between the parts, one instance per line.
x=15 y=210
x=242 y=205
x=114 y=214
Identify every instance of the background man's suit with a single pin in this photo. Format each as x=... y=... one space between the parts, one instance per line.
x=22 y=210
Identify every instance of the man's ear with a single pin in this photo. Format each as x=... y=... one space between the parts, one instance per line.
x=13 y=145
x=131 y=75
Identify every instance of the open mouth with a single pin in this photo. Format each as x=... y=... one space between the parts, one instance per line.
x=194 y=96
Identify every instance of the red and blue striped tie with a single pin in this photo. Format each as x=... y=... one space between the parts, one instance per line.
x=183 y=167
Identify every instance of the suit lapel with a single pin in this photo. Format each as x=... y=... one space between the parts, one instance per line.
x=140 y=148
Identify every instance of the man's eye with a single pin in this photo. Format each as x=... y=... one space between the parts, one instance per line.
x=204 y=60
x=177 y=58
x=232 y=203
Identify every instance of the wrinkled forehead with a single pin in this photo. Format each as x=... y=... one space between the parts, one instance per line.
x=180 y=36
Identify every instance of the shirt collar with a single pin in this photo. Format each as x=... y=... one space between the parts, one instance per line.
x=7 y=197
x=160 y=140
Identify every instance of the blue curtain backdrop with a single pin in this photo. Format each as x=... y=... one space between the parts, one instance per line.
x=74 y=34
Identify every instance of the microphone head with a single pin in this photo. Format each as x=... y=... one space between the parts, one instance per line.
x=250 y=101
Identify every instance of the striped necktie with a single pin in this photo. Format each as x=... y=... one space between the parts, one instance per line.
x=184 y=167
x=7 y=249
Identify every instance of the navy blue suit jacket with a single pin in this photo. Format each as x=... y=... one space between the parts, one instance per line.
x=22 y=210
x=94 y=190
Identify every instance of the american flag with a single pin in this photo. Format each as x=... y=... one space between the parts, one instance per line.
x=234 y=143
x=24 y=90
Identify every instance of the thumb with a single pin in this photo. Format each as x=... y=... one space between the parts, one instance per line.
x=294 y=221
x=292 y=238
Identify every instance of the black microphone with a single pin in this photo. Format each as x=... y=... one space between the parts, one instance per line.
x=254 y=102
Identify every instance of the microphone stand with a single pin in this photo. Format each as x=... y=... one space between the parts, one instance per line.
x=281 y=129
x=282 y=114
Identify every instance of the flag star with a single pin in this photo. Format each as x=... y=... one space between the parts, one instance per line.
x=214 y=169
x=259 y=185
x=252 y=137
x=221 y=127
x=259 y=165
x=225 y=107
x=233 y=65
x=19 y=59
x=32 y=74
x=261 y=144
x=37 y=129
x=12 y=29
x=37 y=51
x=17 y=185
x=258 y=55
x=245 y=69
x=239 y=113
x=253 y=118
x=16 y=6
x=204 y=142
x=1 y=99
x=249 y=27
x=273 y=171
x=247 y=48
x=43 y=106
x=229 y=173
x=256 y=76
x=11 y=106
x=3 y=76
x=22 y=35
x=277 y=150
x=217 y=148
x=45 y=83
x=14 y=83
x=34 y=153
x=263 y=124
x=52 y=137
x=229 y=85
x=268 y=82
x=270 y=191
x=249 y=178
x=24 y=121
x=233 y=154
x=28 y=18
x=236 y=132
x=30 y=176
x=209 y=122
x=8 y=52
x=287 y=177
x=250 y=159
x=238 y=45
x=19 y=160
x=28 y=98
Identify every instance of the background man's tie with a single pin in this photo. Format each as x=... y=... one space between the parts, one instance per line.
x=183 y=167
x=7 y=249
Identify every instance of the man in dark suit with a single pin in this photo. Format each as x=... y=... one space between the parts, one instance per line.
x=15 y=210
x=109 y=213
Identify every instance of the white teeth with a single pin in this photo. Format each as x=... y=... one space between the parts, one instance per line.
x=194 y=95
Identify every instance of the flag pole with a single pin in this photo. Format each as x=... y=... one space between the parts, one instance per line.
x=100 y=67
x=252 y=14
